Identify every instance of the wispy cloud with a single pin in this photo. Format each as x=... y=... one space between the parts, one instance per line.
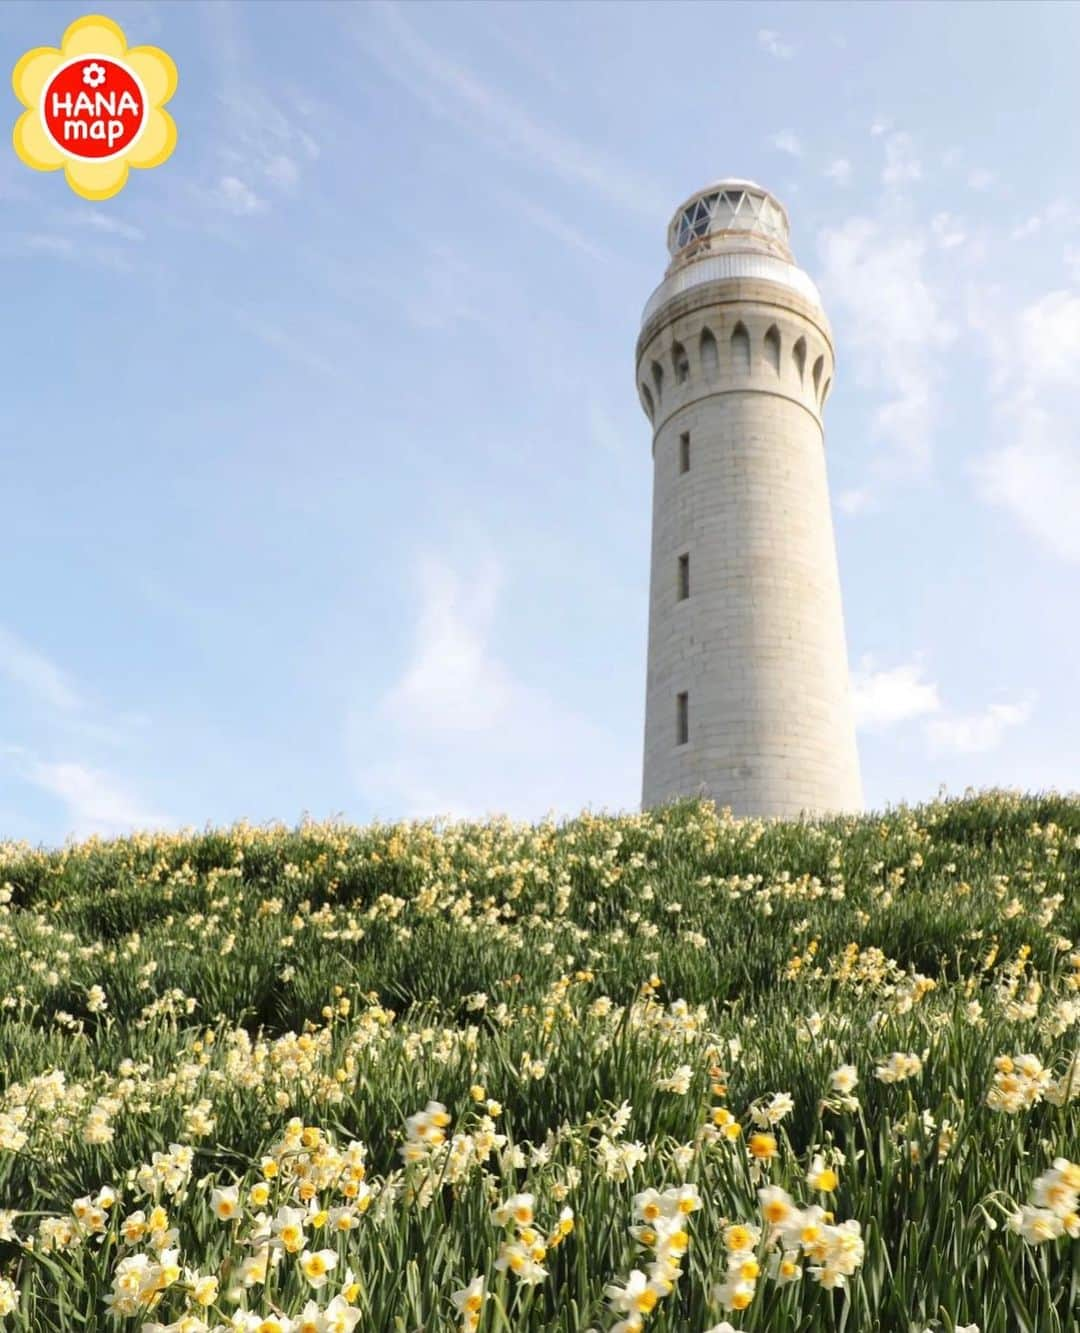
x=555 y=226
x=947 y=231
x=1032 y=469
x=450 y=89
x=875 y=280
x=978 y=733
x=1028 y=227
x=39 y=242
x=981 y=178
x=839 y=170
x=237 y=197
x=855 y=499
x=786 y=141
x=902 y=166
x=38 y=675
x=66 y=248
x=1055 y=213
x=94 y=800
x=65 y=718
x=769 y=40
x=293 y=348
x=95 y=220
x=262 y=139
x=265 y=134
x=460 y=733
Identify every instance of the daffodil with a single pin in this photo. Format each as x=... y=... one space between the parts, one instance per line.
x=316 y=1266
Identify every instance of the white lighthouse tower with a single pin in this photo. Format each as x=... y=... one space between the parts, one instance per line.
x=748 y=697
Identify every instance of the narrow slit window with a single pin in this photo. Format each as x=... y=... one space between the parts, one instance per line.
x=684 y=451
x=682 y=718
x=818 y=366
x=684 y=577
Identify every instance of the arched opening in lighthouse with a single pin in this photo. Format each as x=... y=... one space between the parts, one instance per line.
x=799 y=354
x=710 y=358
x=658 y=379
x=772 y=347
x=680 y=363
x=740 y=347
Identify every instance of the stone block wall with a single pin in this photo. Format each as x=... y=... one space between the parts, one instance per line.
x=743 y=369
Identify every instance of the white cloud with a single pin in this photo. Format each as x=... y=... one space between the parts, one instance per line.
x=94 y=800
x=839 y=170
x=882 y=698
x=453 y=684
x=1037 y=478
x=770 y=41
x=875 y=283
x=1049 y=338
x=977 y=733
x=1033 y=470
x=890 y=696
x=237 y=197
x=855 y=500
x=948 y=231
x=461 y=734
x=1057 y=211
x=901 y=167
x=787 y=142
x=879 y=127
x=981 y=179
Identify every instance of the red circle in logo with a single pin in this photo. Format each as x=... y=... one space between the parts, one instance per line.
x=93 y=107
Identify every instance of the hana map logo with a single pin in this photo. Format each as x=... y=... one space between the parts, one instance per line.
x=94 y=107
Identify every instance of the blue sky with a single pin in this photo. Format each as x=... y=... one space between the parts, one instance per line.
x=325 y=485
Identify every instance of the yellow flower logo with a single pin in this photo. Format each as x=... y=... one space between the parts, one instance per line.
x=94 y=107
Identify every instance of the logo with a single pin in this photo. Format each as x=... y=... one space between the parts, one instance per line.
x=95 y=107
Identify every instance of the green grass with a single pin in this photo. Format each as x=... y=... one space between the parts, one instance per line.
x=332 y=973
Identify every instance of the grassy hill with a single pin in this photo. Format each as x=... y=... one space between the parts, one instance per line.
x=794 y=1076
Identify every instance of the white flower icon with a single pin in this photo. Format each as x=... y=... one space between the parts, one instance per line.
x=93 y=75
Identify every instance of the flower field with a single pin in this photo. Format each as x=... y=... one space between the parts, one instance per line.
x=667 y=1071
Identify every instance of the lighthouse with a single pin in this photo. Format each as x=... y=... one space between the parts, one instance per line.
x=748 y=694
